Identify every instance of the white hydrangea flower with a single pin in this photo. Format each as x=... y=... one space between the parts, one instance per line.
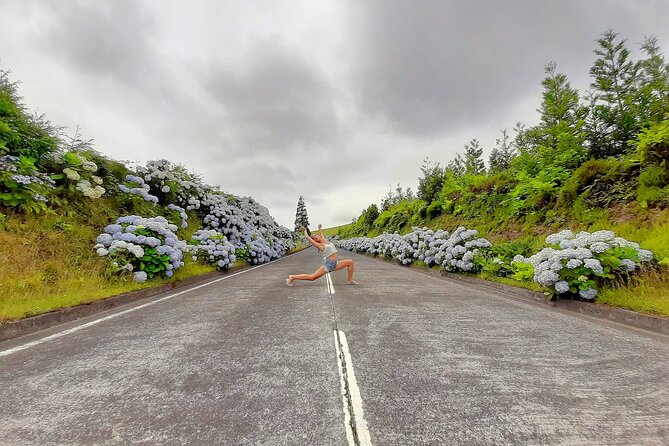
x=71 y=174
x=90 y=166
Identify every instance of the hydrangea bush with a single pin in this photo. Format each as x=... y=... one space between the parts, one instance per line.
x=457 y=252
x=135 y=185
x=173 y=183
x=575 y=264
x=22 y=185
x=182 y=214
x=147 y=247
x=78 y=174
x=249 y=226
x=213 y=248
x=454 y=252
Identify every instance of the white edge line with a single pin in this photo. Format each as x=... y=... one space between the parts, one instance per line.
x=347 y=415
x=88 y=324
x=356 y=400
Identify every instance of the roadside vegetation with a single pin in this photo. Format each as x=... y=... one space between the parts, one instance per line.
x=77 y=226
x=596 y=161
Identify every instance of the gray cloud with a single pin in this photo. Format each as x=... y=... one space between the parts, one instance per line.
x=103 y=38
x=277 y=101
x=433 y=66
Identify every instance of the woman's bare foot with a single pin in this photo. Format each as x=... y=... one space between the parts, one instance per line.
x=351 y=282
x=289 y=281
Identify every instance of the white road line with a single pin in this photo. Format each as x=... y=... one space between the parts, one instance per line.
x=88 y=324
x=354 y=394
x=330 y=285
x=344 y=400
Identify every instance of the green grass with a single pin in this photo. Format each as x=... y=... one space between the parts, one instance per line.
x=533 y=286
x=646 y=293
x=79 y=290
x=330 y=232
x=47 y=262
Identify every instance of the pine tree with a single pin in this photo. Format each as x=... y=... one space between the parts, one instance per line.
x=457 y=166
x=653 y=95
x=301 y=218
x=473 y=158
x=612 y=123
x=560 y=136
x=429 y=184
x=502 y=154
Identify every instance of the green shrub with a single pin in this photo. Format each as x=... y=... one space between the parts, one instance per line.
x=434 y=209
x=653 y=143
x=22 y=185
x=652 y=187
x=22 y=134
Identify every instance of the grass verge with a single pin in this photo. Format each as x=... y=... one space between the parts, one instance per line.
x=47 y=262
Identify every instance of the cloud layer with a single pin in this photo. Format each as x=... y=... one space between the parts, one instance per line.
x=331 y=100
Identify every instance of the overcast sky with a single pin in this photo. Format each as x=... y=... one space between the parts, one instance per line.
x=333 y=100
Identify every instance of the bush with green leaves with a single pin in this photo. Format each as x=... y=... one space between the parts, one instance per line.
x=173 y=183
x=78 y=174
x=23 y=134
x=146 y=247
x=576 y=264
x=22 y=185
x=498 y=260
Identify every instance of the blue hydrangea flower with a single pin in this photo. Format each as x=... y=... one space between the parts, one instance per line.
x=139 y=276
x=561 y=287
x=113 y=229
x=588 y=294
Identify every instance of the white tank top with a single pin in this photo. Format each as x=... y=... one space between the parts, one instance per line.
x=328 y=250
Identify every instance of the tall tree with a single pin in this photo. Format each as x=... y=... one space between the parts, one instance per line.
x=457 y=166
x=653 y=93
x=394 y=197
x=502 y=154
x=559 y=136
x=474 y=164
x=369 y=215
x=612 y=124
x=429 y=184
x=301 y=218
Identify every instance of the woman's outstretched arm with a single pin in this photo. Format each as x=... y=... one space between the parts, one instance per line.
x=319 y=246
x=320 y=232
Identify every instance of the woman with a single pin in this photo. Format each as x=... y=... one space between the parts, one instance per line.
x=330 y=262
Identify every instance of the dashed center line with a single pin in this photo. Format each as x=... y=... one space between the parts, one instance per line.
x=355 y=424
x=357 y=432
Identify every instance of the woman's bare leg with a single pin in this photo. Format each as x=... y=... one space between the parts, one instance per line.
x=318 y=273
x=347 y=264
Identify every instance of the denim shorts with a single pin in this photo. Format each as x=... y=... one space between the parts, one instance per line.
x=329 y=265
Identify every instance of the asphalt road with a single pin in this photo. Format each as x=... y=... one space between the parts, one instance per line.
x=404 y=358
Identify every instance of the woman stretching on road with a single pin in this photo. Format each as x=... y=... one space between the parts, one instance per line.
x=330 y=262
